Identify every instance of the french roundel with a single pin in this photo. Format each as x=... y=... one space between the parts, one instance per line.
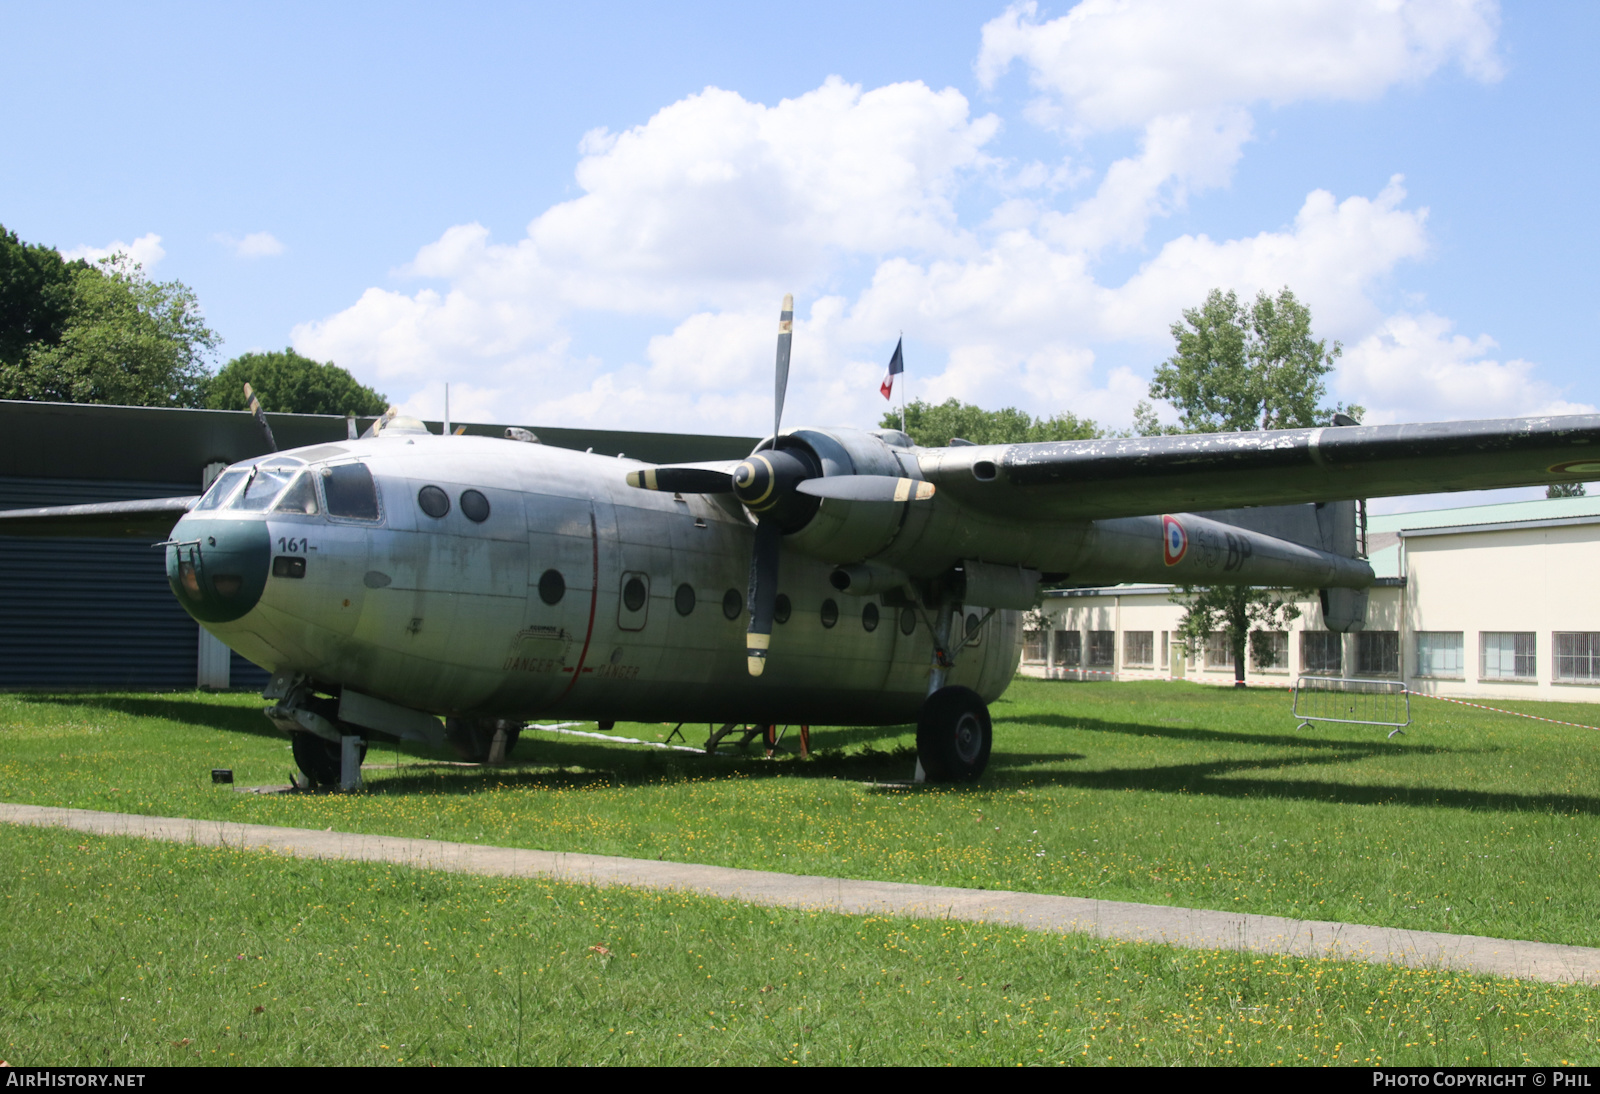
x=1174 y=541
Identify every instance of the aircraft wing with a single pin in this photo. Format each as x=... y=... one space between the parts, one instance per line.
x=1133 y=476
x=144 y=519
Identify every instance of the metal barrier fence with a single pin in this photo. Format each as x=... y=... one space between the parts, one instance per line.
x=1356 y=701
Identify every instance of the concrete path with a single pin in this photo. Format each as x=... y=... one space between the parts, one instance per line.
x=1188 y=927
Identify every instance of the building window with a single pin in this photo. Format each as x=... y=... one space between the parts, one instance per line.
x=1138 y=648
x=1508 y=655
x=1033 y=647
x=1578 y=656
x=1321 y=652
x=1103 y=648
x=1069 y=648
x=1440 y=653
x=1219 y=651
x=1378 y=653
x=1269 y=651
x=1166 y=648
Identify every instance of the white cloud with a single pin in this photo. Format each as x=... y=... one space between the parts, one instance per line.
x=1185 y=73
x=1114 y=64
x=1413 y=368
x=254 y=245
x=146 y=251
x=699 y=220
x=714 y=200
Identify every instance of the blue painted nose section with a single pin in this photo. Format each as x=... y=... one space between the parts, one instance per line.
x=217 y=567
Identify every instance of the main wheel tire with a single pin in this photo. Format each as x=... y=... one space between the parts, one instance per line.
x=319 y=758
x=954 y=735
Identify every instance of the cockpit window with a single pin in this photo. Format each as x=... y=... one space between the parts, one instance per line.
x=350 y=491
x=263 y=488
x=222 y=488
x=301 y=497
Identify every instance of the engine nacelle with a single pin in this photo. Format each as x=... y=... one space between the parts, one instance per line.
x=845 y=531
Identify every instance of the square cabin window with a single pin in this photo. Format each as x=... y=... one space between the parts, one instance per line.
x=1440 y=653
x=1069 y=648
x=1578 y=656
x=1139 y=648
x=1378 y=653
x=1322 y=653
x=1103 y=648
x=1507 y=655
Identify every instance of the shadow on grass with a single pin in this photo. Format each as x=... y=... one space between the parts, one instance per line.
x=175 y=708
x=1378 y=745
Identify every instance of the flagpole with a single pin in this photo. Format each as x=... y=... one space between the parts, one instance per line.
x=902 y=385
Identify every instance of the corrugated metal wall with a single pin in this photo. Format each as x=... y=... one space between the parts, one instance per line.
x=93 y=612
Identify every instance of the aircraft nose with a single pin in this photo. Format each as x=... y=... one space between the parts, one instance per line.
x=218 y=567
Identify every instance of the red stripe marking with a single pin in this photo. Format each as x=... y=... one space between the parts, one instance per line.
x=594 y=600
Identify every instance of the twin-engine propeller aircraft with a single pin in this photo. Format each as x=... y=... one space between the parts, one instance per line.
x=835 y=576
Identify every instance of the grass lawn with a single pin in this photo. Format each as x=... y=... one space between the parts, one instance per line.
x=126 y=952
x=129 y=952
x=1166 y=793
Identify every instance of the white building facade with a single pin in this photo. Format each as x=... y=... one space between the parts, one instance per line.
x=1498 y=601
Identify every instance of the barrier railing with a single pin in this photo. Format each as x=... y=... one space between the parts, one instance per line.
x=1352 y=700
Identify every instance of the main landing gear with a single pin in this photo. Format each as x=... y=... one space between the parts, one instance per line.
x=954 y=735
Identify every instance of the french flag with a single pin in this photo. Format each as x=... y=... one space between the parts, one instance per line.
x=897 y=365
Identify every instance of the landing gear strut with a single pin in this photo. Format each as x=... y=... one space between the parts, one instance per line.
x=954 y=735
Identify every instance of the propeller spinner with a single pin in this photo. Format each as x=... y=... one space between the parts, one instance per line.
x=781 y=488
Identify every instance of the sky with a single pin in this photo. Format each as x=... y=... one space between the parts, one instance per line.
x=590 y=217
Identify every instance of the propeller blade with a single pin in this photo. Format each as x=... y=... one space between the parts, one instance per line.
x=763 y=596
x=867 y=488
x=683 y=480
x=785 y=337
x=260 y=417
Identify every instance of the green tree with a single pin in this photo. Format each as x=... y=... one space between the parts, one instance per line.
x=933 y=425
x=126 y=340
x=1237 y=369
x=287 y=383
x=1240 y=368
x=35 y=296
x=1564 y=490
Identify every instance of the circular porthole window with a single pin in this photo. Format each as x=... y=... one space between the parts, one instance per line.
x=474 y=506
x=830 y=613
x=781 y=609
x=908 y=620
x=633 y=594
x=973 y=623
x=552 y=587
x=732 y=604
x=683 y=599
x=869 y=617
x=433 y=501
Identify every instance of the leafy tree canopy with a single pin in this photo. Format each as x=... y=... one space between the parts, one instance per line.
x=126 y=340
x=35 y=296
x=287 y=383
x=1240 y=368
x=1564 y=490
x=934 y=425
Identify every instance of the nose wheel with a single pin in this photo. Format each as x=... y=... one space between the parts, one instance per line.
x=319 y=758
x=954 y=735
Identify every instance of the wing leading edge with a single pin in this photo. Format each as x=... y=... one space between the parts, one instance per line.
x=1131 y=476
x=147 y=518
